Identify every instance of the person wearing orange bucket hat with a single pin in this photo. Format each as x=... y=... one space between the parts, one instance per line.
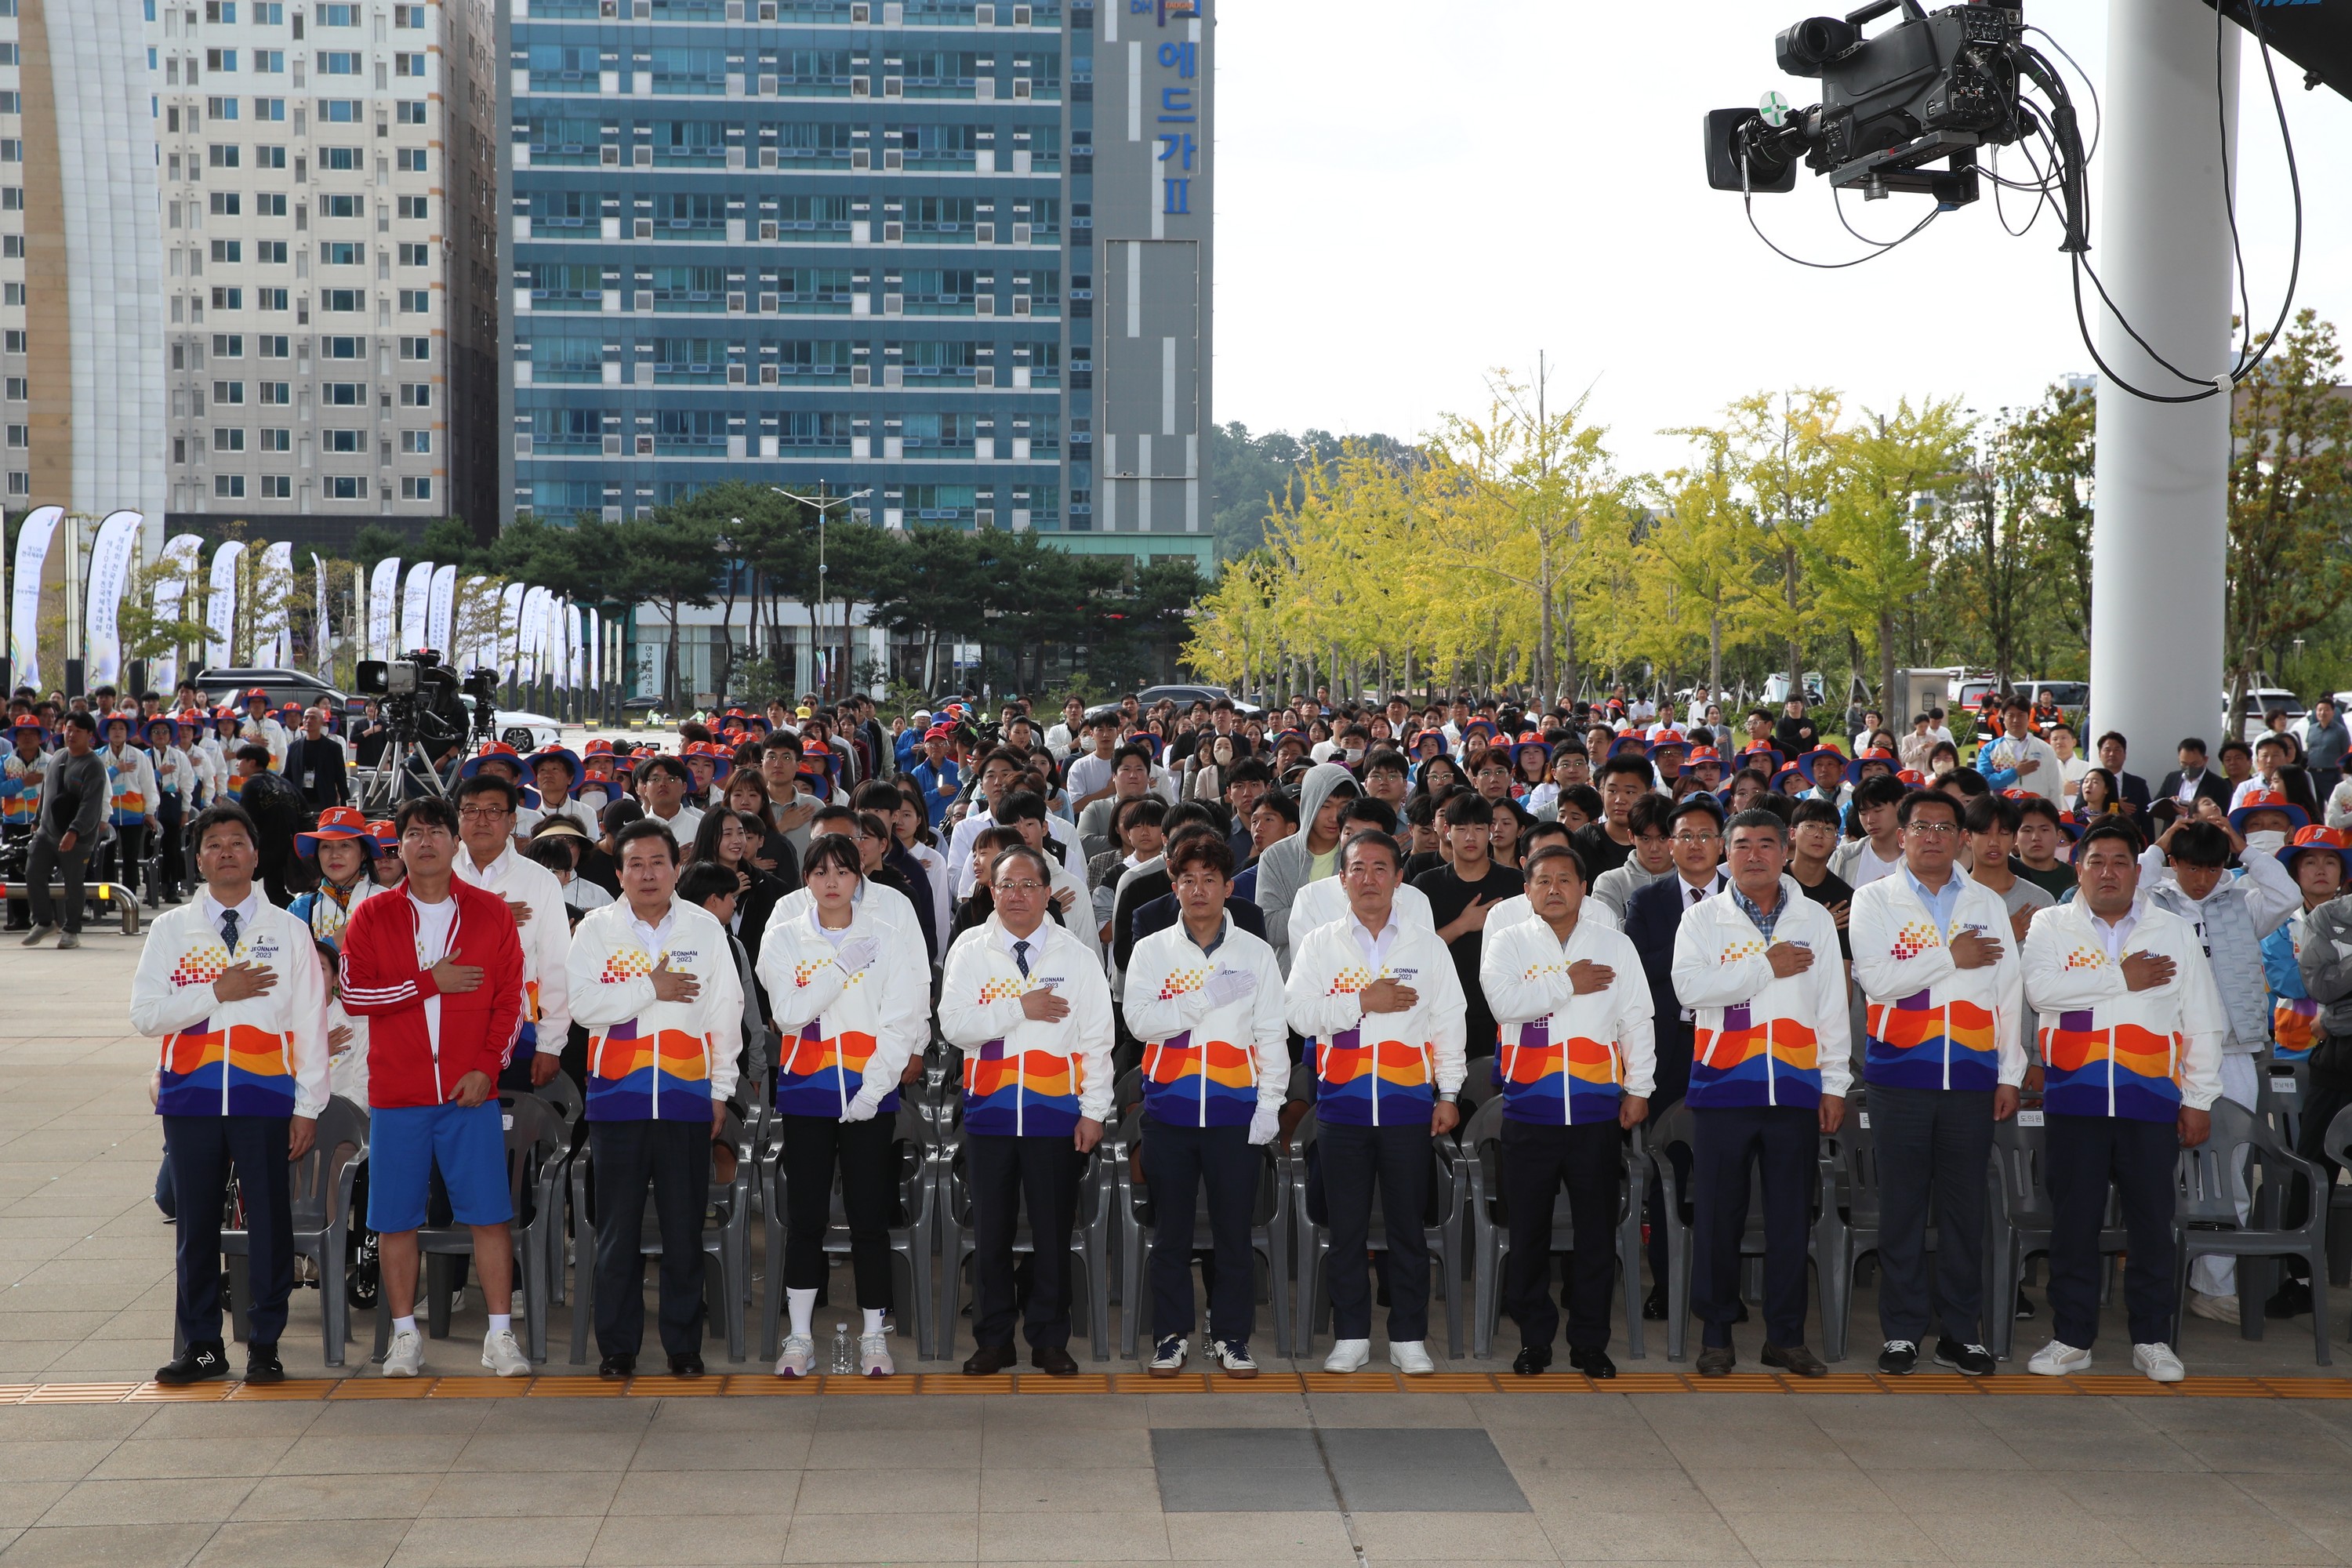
x=259 y=724
x=342 y=847
x=388 y=870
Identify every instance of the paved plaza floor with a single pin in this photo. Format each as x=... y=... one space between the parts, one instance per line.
x=2249 y=1462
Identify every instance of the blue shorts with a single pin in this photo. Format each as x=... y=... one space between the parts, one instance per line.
x=469 y=1146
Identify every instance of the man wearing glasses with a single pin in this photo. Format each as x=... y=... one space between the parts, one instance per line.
x=1943 y=1057
x=1030 y=1008
x=486 y=826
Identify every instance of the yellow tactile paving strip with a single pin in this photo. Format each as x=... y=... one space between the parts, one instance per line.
x=760 y=1385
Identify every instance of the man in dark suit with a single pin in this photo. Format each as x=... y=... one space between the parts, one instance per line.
x=2192 y=778
x=2130 y=788
x=314 y=764
x=1652 y=915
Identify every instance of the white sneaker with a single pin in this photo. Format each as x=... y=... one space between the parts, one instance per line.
x=1235 y=1358
x=1348 y=1355
x=503 y=1356
x=1168 y=1356
x=2158 y=1361
x=2218 y=1309
x=874 y=1355
x=2058 y=1358
x=800 y=1354
x=1411 y=1357
x=405 y=1355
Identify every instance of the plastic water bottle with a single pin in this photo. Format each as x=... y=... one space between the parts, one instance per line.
x=845 y=1352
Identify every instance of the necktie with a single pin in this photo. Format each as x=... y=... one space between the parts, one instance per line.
x=1696 y=895
x=1021 y=957
x=228 y=930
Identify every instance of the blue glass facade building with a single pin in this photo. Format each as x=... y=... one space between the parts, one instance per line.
x=863 y=246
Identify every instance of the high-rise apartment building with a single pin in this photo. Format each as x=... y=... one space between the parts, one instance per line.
x=955 y=253
x=327 y=187
x=81 y=313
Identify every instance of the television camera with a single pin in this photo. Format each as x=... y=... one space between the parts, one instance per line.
x=422 y=700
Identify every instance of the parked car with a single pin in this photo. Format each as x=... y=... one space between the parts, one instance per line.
x=525 y=731
x=2261 y=701
x=227 y=684
x=1185 y=696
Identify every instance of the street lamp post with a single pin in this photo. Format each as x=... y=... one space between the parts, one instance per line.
x=822 y=502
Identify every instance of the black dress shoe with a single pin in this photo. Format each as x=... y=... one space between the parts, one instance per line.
x=2291 y=1299
x=1593 y=1363
x=1654 y=1305
x=197 y=1364
x=1054 y=1360
x=990 y=1360
x=687 y=1366
x=617 y=1367
x=2024 y=1305
x=1532 y=1361
x=1717 y=1360
x=262 y=1366
x=1795 y=1359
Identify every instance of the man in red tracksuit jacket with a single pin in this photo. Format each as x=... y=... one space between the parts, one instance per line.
x=437 y=973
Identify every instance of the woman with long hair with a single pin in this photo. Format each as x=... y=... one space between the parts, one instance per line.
x=773 y=853
x=853 y=1014
x=910 y=821
x=1438 y=777
x=2097 y=795
x=1211 y=764
x=724 y=839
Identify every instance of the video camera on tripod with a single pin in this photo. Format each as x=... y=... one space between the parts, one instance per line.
x=422 y=700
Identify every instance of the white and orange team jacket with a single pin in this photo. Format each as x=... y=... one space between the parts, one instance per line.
x=1565 y=1059
x=1757 y=1038
x=1206 y=1066
x=1928 y=1023
x=1377 y=1069
x=546 y=941
x=650 y=1059
x=844 y=1035
x=1023 y=1077
x=264 y=1056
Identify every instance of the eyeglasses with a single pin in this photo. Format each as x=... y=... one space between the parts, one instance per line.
x=482 y=813
x=1028 y=887
x=1699 y=838
x=1936 y=829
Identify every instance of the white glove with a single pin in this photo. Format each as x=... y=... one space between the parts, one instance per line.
x=863 y=1106
x=2269 y=842
x=1265 y=1122
x=855 y=956
x=1227 y=987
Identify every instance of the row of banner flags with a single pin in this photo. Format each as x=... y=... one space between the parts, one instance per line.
x=527 y=634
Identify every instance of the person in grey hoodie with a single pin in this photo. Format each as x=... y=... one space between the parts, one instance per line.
x=73 y=804
x=1307 y=855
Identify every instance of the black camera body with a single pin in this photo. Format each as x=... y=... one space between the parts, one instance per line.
x=422 y=699
x=1930 y=90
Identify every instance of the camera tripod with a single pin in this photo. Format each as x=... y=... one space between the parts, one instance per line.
x=406 y=763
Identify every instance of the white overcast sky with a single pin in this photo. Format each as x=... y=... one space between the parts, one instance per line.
x=1410 y=195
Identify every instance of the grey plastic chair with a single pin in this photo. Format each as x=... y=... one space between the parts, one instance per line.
x=910 y=1240
x=1441 y=1234
x=1490 y=1232
x=725 y=1240
x=564 y=1095
x=2245 y=1146
x=2021 y=1216
x=538 y=1151
x=321 y=1183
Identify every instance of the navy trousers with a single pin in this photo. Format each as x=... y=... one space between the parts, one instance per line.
x=2086 y=1153
x=1396 y=1159
x=1782 y=1142
x=1177 y=1163
x=1002 y=1171
x=203 y=1151
x=673 y=1159
x=1932 y=1144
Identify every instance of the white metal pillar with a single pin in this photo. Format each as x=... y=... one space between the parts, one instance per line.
x=2163 y=247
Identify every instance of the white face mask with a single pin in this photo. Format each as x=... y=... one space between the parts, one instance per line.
x=2269 y=842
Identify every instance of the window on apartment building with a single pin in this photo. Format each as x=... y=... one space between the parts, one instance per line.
x=222 y=155
x=412 y=254
x=342 y=206
x=229 y=392
x=19 y=484
x=12 y=198
x=270 y=300
x=409 y=160
x=408 y=65
x=221 y=13
x=410 y=17
x=415 y=301
x=224 y=204
x=228 y=486
x=12 y=294
x=271 y=251
x=408 y=111
x=272 y=110
x=269 y=12
x=277 y=440
x=270 y=62
x=20 y=436
x=336 y=15
x=277 y=487
x=272 y=345
x=12 y=149
x=275 y=394
x=342 y=253
x=342 y=394
x=218 y=60
x=229 y=250
x=270 y=158
x=17 y=388
x=337 y=62
x=221 y=108
x=343 y=301
x=413 y=207
x=416 y=443
x=342 y=348
x=416 y=395
x=342 y=440
x=229 y=440
x=416 y=487
x=343 y=487
x=341 y=160
x=228 y=345
x=228 y=299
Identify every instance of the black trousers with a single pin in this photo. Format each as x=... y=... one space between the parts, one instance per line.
x=1589 y=1161
x=1395 y=1159
x=202 y=1152
x=1936 y=1144
x=130 y=853
x=674 y=1158
x=172 y=869
x=1178 y=1162
x=866 y=1154
x=1782 y=1142
x=47 y=861
x=1003 y=1174
x=2086 y=1153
